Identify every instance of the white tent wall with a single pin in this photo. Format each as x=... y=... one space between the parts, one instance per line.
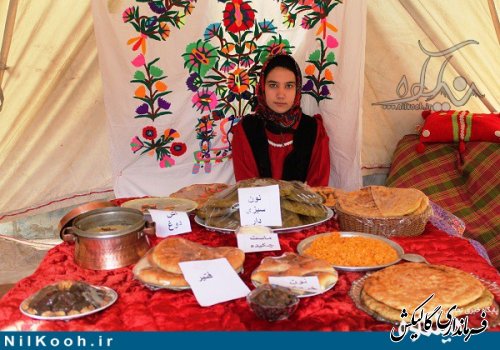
x=54 y=149
x=394 y=29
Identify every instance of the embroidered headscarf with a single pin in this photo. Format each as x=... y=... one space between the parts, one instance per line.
x=287 y=119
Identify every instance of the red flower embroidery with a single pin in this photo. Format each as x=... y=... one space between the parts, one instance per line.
x=238 y=16
x=149 y=132
x=178 y=148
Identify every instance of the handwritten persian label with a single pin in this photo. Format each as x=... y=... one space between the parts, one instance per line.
x=308 y=284
x=213 y=281
x=260 y=206
x=170 y=223
x=250 y=242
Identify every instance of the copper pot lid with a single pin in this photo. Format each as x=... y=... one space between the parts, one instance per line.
x=104 y=223
x=69 y=217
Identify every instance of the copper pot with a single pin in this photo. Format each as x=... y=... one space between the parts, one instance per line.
x=109 y=238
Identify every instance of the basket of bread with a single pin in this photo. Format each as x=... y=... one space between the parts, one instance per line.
x=384 y=211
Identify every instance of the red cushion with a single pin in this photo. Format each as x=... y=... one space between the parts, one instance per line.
x=459 y=126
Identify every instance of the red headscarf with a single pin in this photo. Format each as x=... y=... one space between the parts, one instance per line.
x=289 y=118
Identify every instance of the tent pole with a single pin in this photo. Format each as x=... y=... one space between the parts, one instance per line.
x=6 y=40
x=494 y=18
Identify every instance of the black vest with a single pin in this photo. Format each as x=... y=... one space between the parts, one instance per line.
x=297 y=162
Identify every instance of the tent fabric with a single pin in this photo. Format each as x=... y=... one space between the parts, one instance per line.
x=55 y=151
x=394 y=30
x=174 y=93
x=54 y=148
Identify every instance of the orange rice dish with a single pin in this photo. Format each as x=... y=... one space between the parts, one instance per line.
x=351 y=251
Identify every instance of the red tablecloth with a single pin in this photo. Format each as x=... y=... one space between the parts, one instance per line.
x=139 y=308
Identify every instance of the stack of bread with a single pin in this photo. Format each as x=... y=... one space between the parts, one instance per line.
x=291 y=264
x=329 y=194
x=387 y=292
x=199 y=193
x=299 y=205
x=160 y=267
x=384 y=210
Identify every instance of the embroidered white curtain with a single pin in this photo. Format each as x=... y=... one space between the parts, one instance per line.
x=177 y=79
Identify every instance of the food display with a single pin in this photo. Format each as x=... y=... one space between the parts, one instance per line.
x=272 y=303
x=329 y=194
x=342 y=249
x=199 y=193
x=406 y=286
x=299 y=206
x=67 y=299
x=161 y=203
x=291 y=264
x=160 y=267
x=384 y=210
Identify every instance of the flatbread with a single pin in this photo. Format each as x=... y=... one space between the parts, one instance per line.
x=169 y=252
x=394 y=315
x=397 y=201
x=291 y=264
x=359 y=203
x=407 y=285
x=199 y=193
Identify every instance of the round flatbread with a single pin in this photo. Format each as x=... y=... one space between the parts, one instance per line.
x=169 y=252
x=397 y=201
x=407 y=285
x=291 y=264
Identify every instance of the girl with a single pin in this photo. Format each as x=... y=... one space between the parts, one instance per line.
x=279 y=141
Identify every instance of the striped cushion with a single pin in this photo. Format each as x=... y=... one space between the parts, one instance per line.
x=467 y=185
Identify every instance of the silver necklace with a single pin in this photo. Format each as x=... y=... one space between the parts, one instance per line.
x=280 y=145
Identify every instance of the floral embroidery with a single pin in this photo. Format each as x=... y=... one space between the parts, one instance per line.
x=314 y=14
x=151 y=91
x=164 y=146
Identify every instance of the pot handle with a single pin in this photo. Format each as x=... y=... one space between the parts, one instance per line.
x=67 y=234
x=150 y=228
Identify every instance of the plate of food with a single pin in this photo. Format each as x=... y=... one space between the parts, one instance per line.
x=199 y=193
x=161 y=203
x=232 y=228
x=296 y=266
x=300 y=208
x=417 y=286
x=352 y=251
x=67 y=300
x=159 y=268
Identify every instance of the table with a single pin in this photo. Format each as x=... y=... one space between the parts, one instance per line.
x=140 y=309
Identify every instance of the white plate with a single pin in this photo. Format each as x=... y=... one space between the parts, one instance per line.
x=110 y=292
x=304 y=244
x=329 y=215
x=305 y=294
x=162 y=203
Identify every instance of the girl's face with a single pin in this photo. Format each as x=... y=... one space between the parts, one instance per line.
x=280 y=89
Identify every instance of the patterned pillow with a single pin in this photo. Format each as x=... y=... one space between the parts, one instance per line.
x=458 y=126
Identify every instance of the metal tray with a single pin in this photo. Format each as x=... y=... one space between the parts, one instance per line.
x=307 y=241
x=329 y=215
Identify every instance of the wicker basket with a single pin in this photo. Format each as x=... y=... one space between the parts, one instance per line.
x=407 y=226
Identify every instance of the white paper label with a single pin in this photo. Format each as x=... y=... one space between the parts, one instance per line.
x=251 y=242
x=304 y=283
x=213 y=281
x=170 y=223
x=260 y=206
